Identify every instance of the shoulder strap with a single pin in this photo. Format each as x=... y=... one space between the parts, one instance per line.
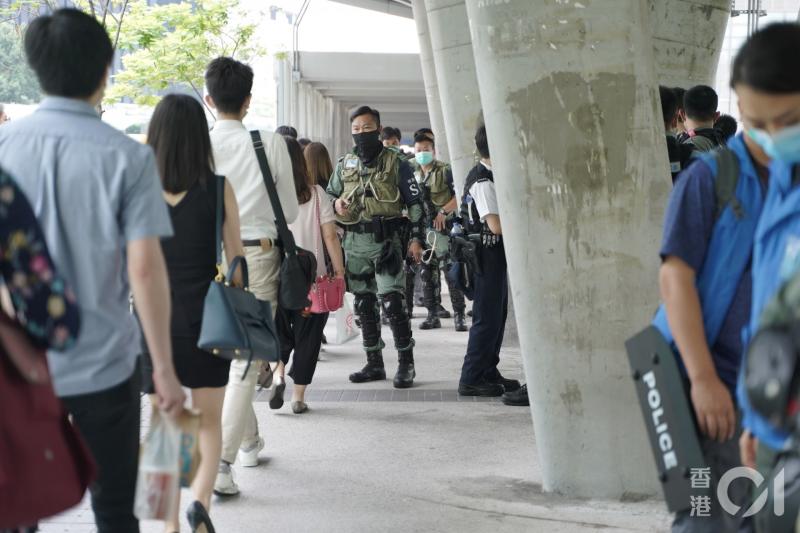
x=218 y=224
x=285 y=235
x=726 y=182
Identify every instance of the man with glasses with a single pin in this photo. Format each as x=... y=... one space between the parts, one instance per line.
x=373 y=185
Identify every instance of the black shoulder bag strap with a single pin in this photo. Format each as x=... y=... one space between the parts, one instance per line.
x=287 y=239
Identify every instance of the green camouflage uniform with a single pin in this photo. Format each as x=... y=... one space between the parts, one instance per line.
x=378 y=196
x=437 y=191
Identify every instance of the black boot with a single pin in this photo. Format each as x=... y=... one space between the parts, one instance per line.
x=404 y=378
x=367 y=310
x=403 y=341
x=461 y=322
x=432 y=322
x=441 y=312
x=372 y=371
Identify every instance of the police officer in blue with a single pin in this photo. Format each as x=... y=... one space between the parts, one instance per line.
x=766 y=78
x=481 y=216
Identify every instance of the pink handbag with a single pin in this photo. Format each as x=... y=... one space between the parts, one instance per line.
x=327 y=292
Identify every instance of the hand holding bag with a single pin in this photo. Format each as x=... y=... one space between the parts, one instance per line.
x=236 y=325
x=299 y=267
x=327 y=292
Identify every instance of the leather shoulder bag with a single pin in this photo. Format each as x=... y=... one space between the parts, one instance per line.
x=236 y=324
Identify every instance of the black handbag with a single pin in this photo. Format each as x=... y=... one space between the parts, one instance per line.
x=236 y=324
x=299 y=266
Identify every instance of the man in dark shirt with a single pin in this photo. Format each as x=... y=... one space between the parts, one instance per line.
x=700 y=106
x=679 y=154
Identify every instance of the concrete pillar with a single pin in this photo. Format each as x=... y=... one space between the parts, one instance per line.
x=571 y=108
x=687 y=38
x=429 y=77
x=458 y=84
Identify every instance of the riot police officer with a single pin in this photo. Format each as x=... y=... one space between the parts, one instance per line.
x=373 y=185
x=439 y=205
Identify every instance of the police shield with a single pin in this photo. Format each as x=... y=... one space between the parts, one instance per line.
x=668 y=417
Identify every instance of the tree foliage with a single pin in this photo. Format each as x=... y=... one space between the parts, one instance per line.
x=18 y=84
x=161 y=46
x=170 y=45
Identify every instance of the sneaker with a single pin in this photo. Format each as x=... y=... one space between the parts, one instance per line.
x=248 y=457
x=224 y=485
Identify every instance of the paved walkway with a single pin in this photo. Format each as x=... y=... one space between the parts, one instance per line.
x=370 y=459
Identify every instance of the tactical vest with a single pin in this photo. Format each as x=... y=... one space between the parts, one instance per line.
x=435 y=191
x=731 y=244
x=371 y=191
x=470 y=218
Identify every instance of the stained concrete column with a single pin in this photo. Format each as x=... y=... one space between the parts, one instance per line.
x=458 y=84
x=431 y=83
x=687 y=37
x=571 y=109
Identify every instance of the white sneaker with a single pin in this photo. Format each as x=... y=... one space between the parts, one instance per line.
x=249 y=456
x=224 y=485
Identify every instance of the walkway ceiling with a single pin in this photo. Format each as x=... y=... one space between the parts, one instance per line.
x=391 y=83
x=401 y=8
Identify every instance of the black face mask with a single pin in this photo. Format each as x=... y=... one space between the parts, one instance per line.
x=368 y=145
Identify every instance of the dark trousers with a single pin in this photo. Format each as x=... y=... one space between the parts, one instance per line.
x=109 y=422
x=489 y=313
x=303 y=335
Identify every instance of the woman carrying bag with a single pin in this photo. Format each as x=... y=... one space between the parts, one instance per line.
x=301 y=331
x=179 y=136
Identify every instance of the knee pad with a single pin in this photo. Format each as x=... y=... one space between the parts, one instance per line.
x=393 y=304
x=364 y=304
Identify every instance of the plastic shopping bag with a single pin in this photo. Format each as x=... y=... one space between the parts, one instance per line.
x=345 y=320
x=159 y=470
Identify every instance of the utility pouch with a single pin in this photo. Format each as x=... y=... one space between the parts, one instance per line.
x=377 y=229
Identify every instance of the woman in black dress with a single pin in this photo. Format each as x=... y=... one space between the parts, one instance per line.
x=178 y=133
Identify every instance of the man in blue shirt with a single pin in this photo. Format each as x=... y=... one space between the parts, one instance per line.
x=98 y=197
x=767 y=82
x=710 y=347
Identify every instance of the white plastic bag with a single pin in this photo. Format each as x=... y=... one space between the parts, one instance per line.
x=345 y=320
x=159 y=470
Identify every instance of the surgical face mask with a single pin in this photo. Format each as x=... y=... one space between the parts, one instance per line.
x=424 y=158
x=368 y=145
x=783 y=146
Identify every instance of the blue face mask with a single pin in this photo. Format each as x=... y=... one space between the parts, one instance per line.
x=424 y=158
x=783 y=146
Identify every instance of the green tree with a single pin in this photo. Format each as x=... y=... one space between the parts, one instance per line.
x=169 y=45
x=17 y=82
x=162 y=46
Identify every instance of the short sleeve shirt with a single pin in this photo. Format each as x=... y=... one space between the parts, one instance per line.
x=307 y=226
x=688 y=226
x=93 y=190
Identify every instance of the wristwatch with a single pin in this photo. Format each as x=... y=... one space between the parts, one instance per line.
x=443 y=212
